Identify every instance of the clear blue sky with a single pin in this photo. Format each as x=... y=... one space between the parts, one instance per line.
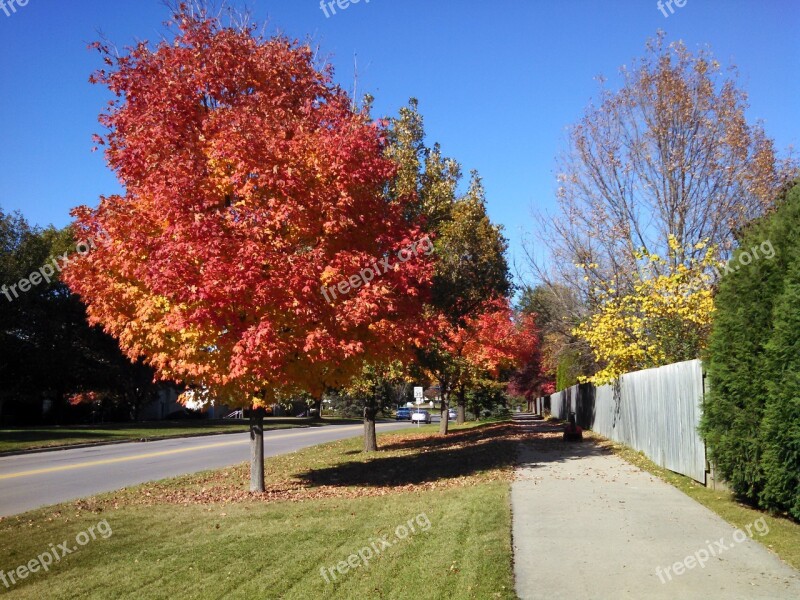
x=498 y=81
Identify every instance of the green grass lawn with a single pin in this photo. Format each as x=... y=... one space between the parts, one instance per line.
x=203 y=536
x=784 y=534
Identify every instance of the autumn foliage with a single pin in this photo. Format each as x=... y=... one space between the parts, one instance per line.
x=494 y=340
x=666 y=318
x=481 y=346
x=661 y=164
x=250 y=183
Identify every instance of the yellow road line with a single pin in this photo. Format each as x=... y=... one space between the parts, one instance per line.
x=108 y=461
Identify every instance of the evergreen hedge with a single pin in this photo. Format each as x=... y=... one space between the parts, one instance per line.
x=751 y=420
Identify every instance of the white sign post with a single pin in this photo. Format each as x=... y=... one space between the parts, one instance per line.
x=419 y=398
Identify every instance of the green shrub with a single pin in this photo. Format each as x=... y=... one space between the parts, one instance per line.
x=751 y=419
x=501 y=412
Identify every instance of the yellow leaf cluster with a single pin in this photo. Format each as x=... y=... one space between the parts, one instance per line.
x=665 y=318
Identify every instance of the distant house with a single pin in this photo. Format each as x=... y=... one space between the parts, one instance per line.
x=166 y=403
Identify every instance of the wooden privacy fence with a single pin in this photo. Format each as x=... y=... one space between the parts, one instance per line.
x=656 y=411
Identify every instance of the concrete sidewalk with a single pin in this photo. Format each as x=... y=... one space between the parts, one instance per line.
x=587 y=524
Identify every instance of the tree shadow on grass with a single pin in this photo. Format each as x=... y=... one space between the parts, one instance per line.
x=462 y=453
x=455 y=436
x=436 y=458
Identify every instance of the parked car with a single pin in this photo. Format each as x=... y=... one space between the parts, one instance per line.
x=420 y=416
x=402 y=414
x=452 y=414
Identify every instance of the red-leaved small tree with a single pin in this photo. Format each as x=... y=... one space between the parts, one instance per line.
x=481 y=346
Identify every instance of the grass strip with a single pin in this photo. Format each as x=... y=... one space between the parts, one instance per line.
x=201 y=536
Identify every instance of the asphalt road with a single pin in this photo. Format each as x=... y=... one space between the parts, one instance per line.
x=29 y=481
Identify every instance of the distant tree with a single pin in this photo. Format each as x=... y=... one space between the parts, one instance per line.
x=406 y=148
x=666 y=317
x=558 y=310
x=119 y=389
x=437 y=192
x=19 y=256
x=528 y=379
x=487 y=396
x=470 y=263
x=477 y=351
x=471 y=270
x=422 y=173
x=568 y=370
x=671 y=153
x=375 y=390
x=47 y=350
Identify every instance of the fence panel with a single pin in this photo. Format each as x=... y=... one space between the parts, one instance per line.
x=656 y=411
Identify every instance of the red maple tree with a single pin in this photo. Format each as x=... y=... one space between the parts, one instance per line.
x=492 y=340
x=252 y=186
x=528 y=379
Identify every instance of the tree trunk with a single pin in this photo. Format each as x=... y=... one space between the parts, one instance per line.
x=318 y=407
x=370 y=439
x=445 y=407
x=256 y=451
x=462 y=407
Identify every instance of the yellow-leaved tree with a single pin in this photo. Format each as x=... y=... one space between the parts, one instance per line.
x=665 y=317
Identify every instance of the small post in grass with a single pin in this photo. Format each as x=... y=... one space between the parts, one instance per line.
x=418 y=396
